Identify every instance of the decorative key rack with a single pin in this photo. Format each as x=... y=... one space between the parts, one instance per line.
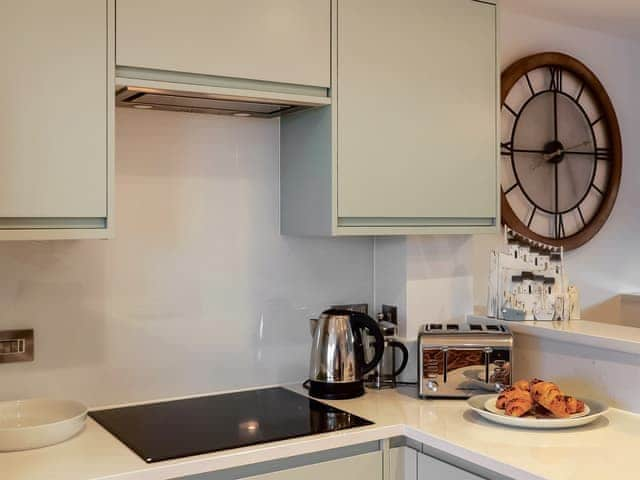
x=527 y=281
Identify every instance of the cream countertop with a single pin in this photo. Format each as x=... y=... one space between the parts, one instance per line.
x=591 y=452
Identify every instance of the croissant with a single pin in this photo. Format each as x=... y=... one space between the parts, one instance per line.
x=549 y=396
x=533 y=382
x=519 y=403
x=574 y=405
x=543 y=399
x=501 y=402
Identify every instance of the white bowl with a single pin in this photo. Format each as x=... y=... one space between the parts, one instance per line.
x=38 y=422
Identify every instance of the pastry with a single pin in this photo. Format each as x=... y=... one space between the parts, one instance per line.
x=538 y=398
x=501 y=402
x=574 y=405
x=522 y=385
x=519 y=403
x=550 y=397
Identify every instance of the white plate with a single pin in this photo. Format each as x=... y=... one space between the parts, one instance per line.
x=38 y=422
x=479 y=405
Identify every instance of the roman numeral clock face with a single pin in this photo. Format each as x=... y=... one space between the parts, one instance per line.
x=561 y=150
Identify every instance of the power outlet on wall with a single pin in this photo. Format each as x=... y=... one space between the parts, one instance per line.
x=16 y=346
x=390 y=313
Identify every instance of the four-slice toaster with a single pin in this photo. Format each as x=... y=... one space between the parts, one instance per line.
x=459 y=360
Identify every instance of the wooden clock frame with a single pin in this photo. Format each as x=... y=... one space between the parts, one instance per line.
x=554 y=60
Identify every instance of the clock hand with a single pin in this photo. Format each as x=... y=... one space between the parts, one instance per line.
x=560 y=151
x=548 y=156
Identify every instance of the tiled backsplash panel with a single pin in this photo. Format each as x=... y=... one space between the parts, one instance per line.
x=198 y=291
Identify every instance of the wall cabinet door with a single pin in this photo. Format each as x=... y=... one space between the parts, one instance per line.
x=287 y=41
x=409 y=144
x=430 y=468
x=54 y=120
x=416 y=116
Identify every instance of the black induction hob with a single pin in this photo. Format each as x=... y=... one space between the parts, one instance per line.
x=180 y=428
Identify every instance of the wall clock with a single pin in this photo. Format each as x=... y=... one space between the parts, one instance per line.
x=561 y=150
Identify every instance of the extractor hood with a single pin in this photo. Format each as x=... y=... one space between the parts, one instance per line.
x=181 y=92
x=208 y=102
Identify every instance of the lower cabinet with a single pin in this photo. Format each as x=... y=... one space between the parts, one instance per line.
x=406 y=461
x=409 y=464
x=432 y=468
x=403 y=463
x=358 y=462
x=367 y=466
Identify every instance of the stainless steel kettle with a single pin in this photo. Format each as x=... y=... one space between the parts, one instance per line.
x=338 y=365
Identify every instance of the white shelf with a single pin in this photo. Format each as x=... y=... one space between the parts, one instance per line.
x=593 y=334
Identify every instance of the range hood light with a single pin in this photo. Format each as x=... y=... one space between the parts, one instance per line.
x=143 y=107
x=241 y=114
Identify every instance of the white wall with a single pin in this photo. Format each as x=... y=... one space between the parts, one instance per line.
x=198 y=291
x=610 y=262
x=605 y=375
x=444 y=277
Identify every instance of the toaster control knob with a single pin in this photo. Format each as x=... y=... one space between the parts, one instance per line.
x=432 y=386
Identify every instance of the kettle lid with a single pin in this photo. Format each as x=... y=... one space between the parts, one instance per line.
x=338 y=312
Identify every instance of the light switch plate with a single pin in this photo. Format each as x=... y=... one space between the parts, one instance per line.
x=16 y=346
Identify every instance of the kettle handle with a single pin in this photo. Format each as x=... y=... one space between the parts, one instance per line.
x=365 y=322
x=405 y=355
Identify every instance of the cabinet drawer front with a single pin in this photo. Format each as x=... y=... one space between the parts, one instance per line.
x=430 y=468
x=53 y=121
x=362 y=466
x=417 y=93
x=285 y=41
x=367 y=466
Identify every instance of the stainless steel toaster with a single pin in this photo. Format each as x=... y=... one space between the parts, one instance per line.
x=459 y=360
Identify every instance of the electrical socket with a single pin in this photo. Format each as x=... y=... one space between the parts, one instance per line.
x=390 y=313
x=16 y=346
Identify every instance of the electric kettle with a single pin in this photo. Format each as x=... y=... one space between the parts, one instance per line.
x=338 y=365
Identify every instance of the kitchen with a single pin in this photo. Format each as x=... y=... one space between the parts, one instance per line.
x=198 y=292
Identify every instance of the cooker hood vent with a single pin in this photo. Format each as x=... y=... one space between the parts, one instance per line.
x=199 y=102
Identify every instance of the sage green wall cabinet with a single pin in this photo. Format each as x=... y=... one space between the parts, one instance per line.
x=56 y=131
x=283 y=41
x=409 y=144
